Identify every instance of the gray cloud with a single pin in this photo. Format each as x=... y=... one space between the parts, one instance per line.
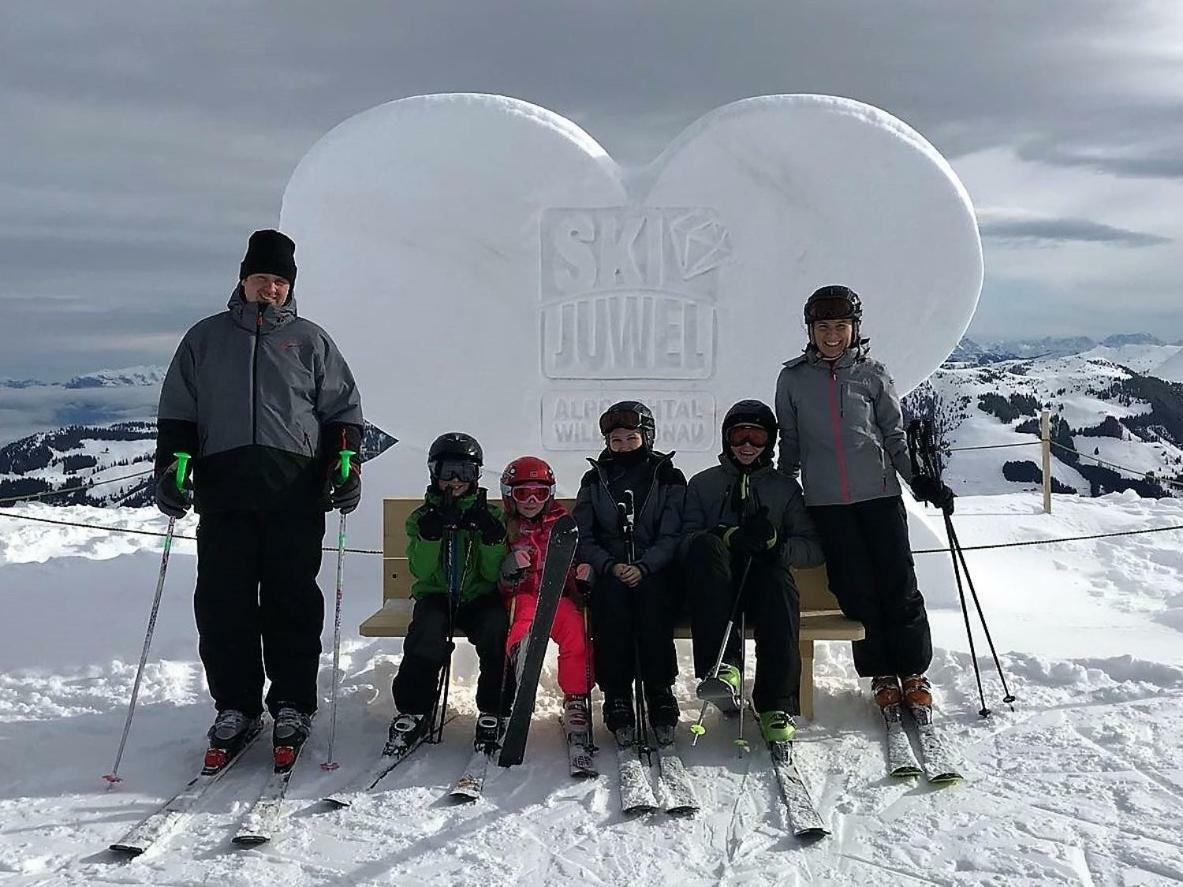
x=143 y=141
x=1054 y=232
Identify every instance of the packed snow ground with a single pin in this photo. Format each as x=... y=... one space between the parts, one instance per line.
x=1081 y=784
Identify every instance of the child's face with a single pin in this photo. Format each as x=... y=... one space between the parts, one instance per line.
x=624 y=440
x=832 y=337
x=456 y=486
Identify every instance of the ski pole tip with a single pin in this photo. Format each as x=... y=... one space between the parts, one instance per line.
x=112 y=779
x=697 y=729
x=985 y=712
x=329 y=766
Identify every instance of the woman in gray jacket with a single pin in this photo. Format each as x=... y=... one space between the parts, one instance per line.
x=841 y=427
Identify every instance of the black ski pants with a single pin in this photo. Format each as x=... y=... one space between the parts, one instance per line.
x=259 y=610
x=625 y=619
x=426 y=651
x=772 y=609
x=871 y=572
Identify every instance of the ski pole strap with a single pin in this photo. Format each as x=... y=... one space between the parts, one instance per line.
x=343 y=473
x=182 y=468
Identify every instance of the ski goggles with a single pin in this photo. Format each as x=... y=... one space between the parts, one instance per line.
x=832 y=308
x=527 y=494
x=630 y=420
x=456 y=469
x=747 y=434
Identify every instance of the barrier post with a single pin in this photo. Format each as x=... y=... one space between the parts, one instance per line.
x=1045 y=437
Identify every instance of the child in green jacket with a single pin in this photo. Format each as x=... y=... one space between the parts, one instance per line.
x=454 y=506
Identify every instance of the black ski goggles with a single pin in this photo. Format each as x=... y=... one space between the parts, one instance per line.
x=630 y=420
x=456 y=469
x=833 y=308
x=747 y=434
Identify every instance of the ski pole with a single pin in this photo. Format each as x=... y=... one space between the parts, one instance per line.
x=697 y=728
x=343 y=475
x=182 y=470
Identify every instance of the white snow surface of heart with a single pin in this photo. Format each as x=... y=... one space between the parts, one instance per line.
x=1081 y=784
x=485 y=266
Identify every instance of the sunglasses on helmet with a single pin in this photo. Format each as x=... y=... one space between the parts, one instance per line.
x=630 y=420
x=456 y=469
x=833 y=308
x=747 y=434
x=524 y=494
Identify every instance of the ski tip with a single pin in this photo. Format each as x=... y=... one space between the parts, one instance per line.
x=126 y=850
x=336 y=803
x=250 y=840
x=811 y=835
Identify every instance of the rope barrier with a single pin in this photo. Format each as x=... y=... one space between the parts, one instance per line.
x=375 y=551
x=1099 y=461
x=1025 y=443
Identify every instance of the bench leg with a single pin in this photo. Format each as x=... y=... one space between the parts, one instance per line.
x=805 y=691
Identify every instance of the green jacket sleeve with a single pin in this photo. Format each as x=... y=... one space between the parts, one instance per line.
x=423 y=557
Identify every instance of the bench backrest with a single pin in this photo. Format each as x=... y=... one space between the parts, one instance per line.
x=397 y=579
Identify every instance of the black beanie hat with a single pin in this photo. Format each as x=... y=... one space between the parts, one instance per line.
x=269 y=252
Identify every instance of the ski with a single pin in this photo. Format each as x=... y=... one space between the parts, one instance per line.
x=472 y=782
x=157 y=825
x=560 y=552
x=262 y=819
x=367 y=780
x=804 y=819
x=939 y=766
x=636 y=794
x=901 y=760
x=677 y=788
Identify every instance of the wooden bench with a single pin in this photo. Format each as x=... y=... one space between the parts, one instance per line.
x=821 y=619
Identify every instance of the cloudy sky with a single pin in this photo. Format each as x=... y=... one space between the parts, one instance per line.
x=141 y=141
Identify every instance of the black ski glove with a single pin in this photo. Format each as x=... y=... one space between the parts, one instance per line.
x=346 y=494
x=478 y=517
x=756 y=535
x=431 y=525
x=170 y=500
x=929 y=489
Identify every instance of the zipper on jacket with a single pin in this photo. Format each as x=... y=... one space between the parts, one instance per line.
x=255 y=378
x=836 y=425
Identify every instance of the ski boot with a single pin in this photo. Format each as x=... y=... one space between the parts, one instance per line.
x=663 y=715
x=886 y=690
x=577 y=727
x=917 y=691
x=620 y=719
x=489 y=730
x=291 y=729
x=405 y=732
x=777 y=726
x=722 y=690
x=231 y=731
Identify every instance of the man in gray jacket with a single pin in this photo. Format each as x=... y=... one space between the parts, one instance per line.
x=265 y=403
x=745 y=525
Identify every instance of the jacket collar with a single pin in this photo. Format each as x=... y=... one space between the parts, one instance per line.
x=255 y=316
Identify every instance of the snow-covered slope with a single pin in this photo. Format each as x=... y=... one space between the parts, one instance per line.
x=1079 y=785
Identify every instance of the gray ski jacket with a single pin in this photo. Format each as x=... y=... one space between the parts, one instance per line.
x=263 y=400
x=841 y=427
x=713 y=500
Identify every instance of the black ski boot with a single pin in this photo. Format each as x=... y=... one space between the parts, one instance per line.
x=405 y=732
x=489 y=730
x=231 y=731
x=292 y=727
x=619 y=717
x=663 y=714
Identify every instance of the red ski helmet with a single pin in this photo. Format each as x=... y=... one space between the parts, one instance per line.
x=526 y=471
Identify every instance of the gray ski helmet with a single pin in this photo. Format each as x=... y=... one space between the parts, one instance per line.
x=752 y=412
x=455 y=446
x=835 y=302
x=632 y=415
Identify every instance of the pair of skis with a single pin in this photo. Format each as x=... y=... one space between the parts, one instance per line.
x=637 y=797
x=939 y=763
x=257 y=827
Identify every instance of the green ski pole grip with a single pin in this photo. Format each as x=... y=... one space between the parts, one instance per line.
x=346 y=455
x=182 y=468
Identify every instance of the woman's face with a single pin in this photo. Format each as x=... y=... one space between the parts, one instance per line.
x=832 y=337
x=624 y=440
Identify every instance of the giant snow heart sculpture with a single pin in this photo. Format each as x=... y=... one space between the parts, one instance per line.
x=485 y=266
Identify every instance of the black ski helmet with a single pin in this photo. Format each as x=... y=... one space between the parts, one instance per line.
x=455 y=446
x=752 y=412
x=632 y=415
x=834 y=302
